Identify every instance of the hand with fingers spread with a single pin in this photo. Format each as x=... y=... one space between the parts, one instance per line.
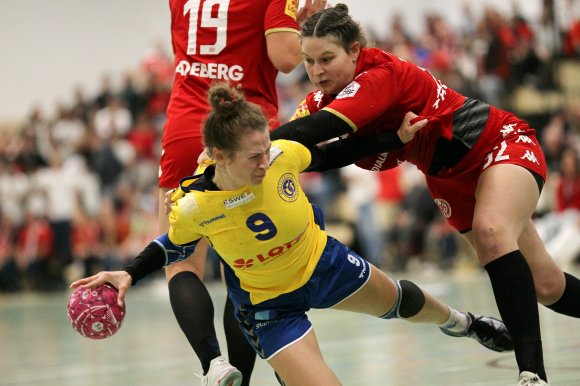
x=309 y=8
x=119 y=279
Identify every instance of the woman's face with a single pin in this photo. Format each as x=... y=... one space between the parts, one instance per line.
x=249 y=163
x=329 y=66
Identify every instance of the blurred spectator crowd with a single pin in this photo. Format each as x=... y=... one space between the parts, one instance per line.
x=78 y=190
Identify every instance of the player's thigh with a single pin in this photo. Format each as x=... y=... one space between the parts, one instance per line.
x=162 y=217
x=195 y=263
x=302 y=364
x=506 y=193
x=376 y=297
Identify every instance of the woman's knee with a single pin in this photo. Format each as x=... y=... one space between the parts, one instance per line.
x=549 y=288
x=189 y=265
x=492 y=238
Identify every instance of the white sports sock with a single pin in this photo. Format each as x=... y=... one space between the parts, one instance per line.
x=457 y=322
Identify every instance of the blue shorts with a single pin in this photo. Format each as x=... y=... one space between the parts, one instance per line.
x=277 y=323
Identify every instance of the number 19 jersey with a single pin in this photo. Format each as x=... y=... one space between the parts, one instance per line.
x=222 y=41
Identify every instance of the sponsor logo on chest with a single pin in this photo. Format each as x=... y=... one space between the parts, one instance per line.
x=239 y=200
x=288 y=187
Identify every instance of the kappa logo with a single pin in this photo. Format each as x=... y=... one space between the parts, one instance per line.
x=243 y=264
x=318 y=96
x=349 y=91
x=530 y=156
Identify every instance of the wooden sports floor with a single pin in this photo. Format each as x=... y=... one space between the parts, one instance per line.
x=38 y=347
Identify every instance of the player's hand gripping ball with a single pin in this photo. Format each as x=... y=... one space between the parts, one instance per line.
x=94 y=312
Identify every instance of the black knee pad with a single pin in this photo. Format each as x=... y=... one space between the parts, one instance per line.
x=412 y=299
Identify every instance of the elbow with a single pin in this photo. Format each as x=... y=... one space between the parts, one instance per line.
x=286 y=66
x=286 y=63
x=284 y=50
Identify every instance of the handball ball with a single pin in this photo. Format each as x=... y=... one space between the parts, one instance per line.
x=94 y=312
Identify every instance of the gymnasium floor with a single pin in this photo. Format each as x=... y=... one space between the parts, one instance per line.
x=38 y=347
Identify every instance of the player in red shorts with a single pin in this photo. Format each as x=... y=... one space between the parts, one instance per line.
x=245 y=43
x=484 y=166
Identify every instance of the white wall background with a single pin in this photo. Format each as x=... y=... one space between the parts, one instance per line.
x=47 y=47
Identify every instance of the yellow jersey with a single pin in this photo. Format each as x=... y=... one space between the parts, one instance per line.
x=266 y=233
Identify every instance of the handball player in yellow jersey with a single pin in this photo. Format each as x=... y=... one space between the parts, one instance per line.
x=279 y=261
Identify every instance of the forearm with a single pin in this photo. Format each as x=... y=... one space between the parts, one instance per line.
x=312 y=129
x=344 y=152
x=159 y=253
x=149 y=260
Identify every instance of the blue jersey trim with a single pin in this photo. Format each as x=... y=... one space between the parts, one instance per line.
x=174 y=253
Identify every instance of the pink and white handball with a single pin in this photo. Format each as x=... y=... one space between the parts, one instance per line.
x=94 y=312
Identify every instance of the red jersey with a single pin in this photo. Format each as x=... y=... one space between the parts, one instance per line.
x=222 y=40
x=384 y=89
x=464 y=136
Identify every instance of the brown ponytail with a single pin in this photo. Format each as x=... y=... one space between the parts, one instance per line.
x=231 y=117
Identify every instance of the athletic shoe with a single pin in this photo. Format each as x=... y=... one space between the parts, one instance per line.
x=488 y=331
x=221 y=373
x=530 y=379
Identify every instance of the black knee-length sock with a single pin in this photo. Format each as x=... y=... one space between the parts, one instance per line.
x=515 y=296
x=569 y=303
x=240 y=352
x=193 y=309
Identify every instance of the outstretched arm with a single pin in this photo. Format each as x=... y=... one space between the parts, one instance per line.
x=159 y=253
x=312 y=129
x=344 y=152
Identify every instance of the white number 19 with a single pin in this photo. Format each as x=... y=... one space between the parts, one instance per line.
x=220 y=23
